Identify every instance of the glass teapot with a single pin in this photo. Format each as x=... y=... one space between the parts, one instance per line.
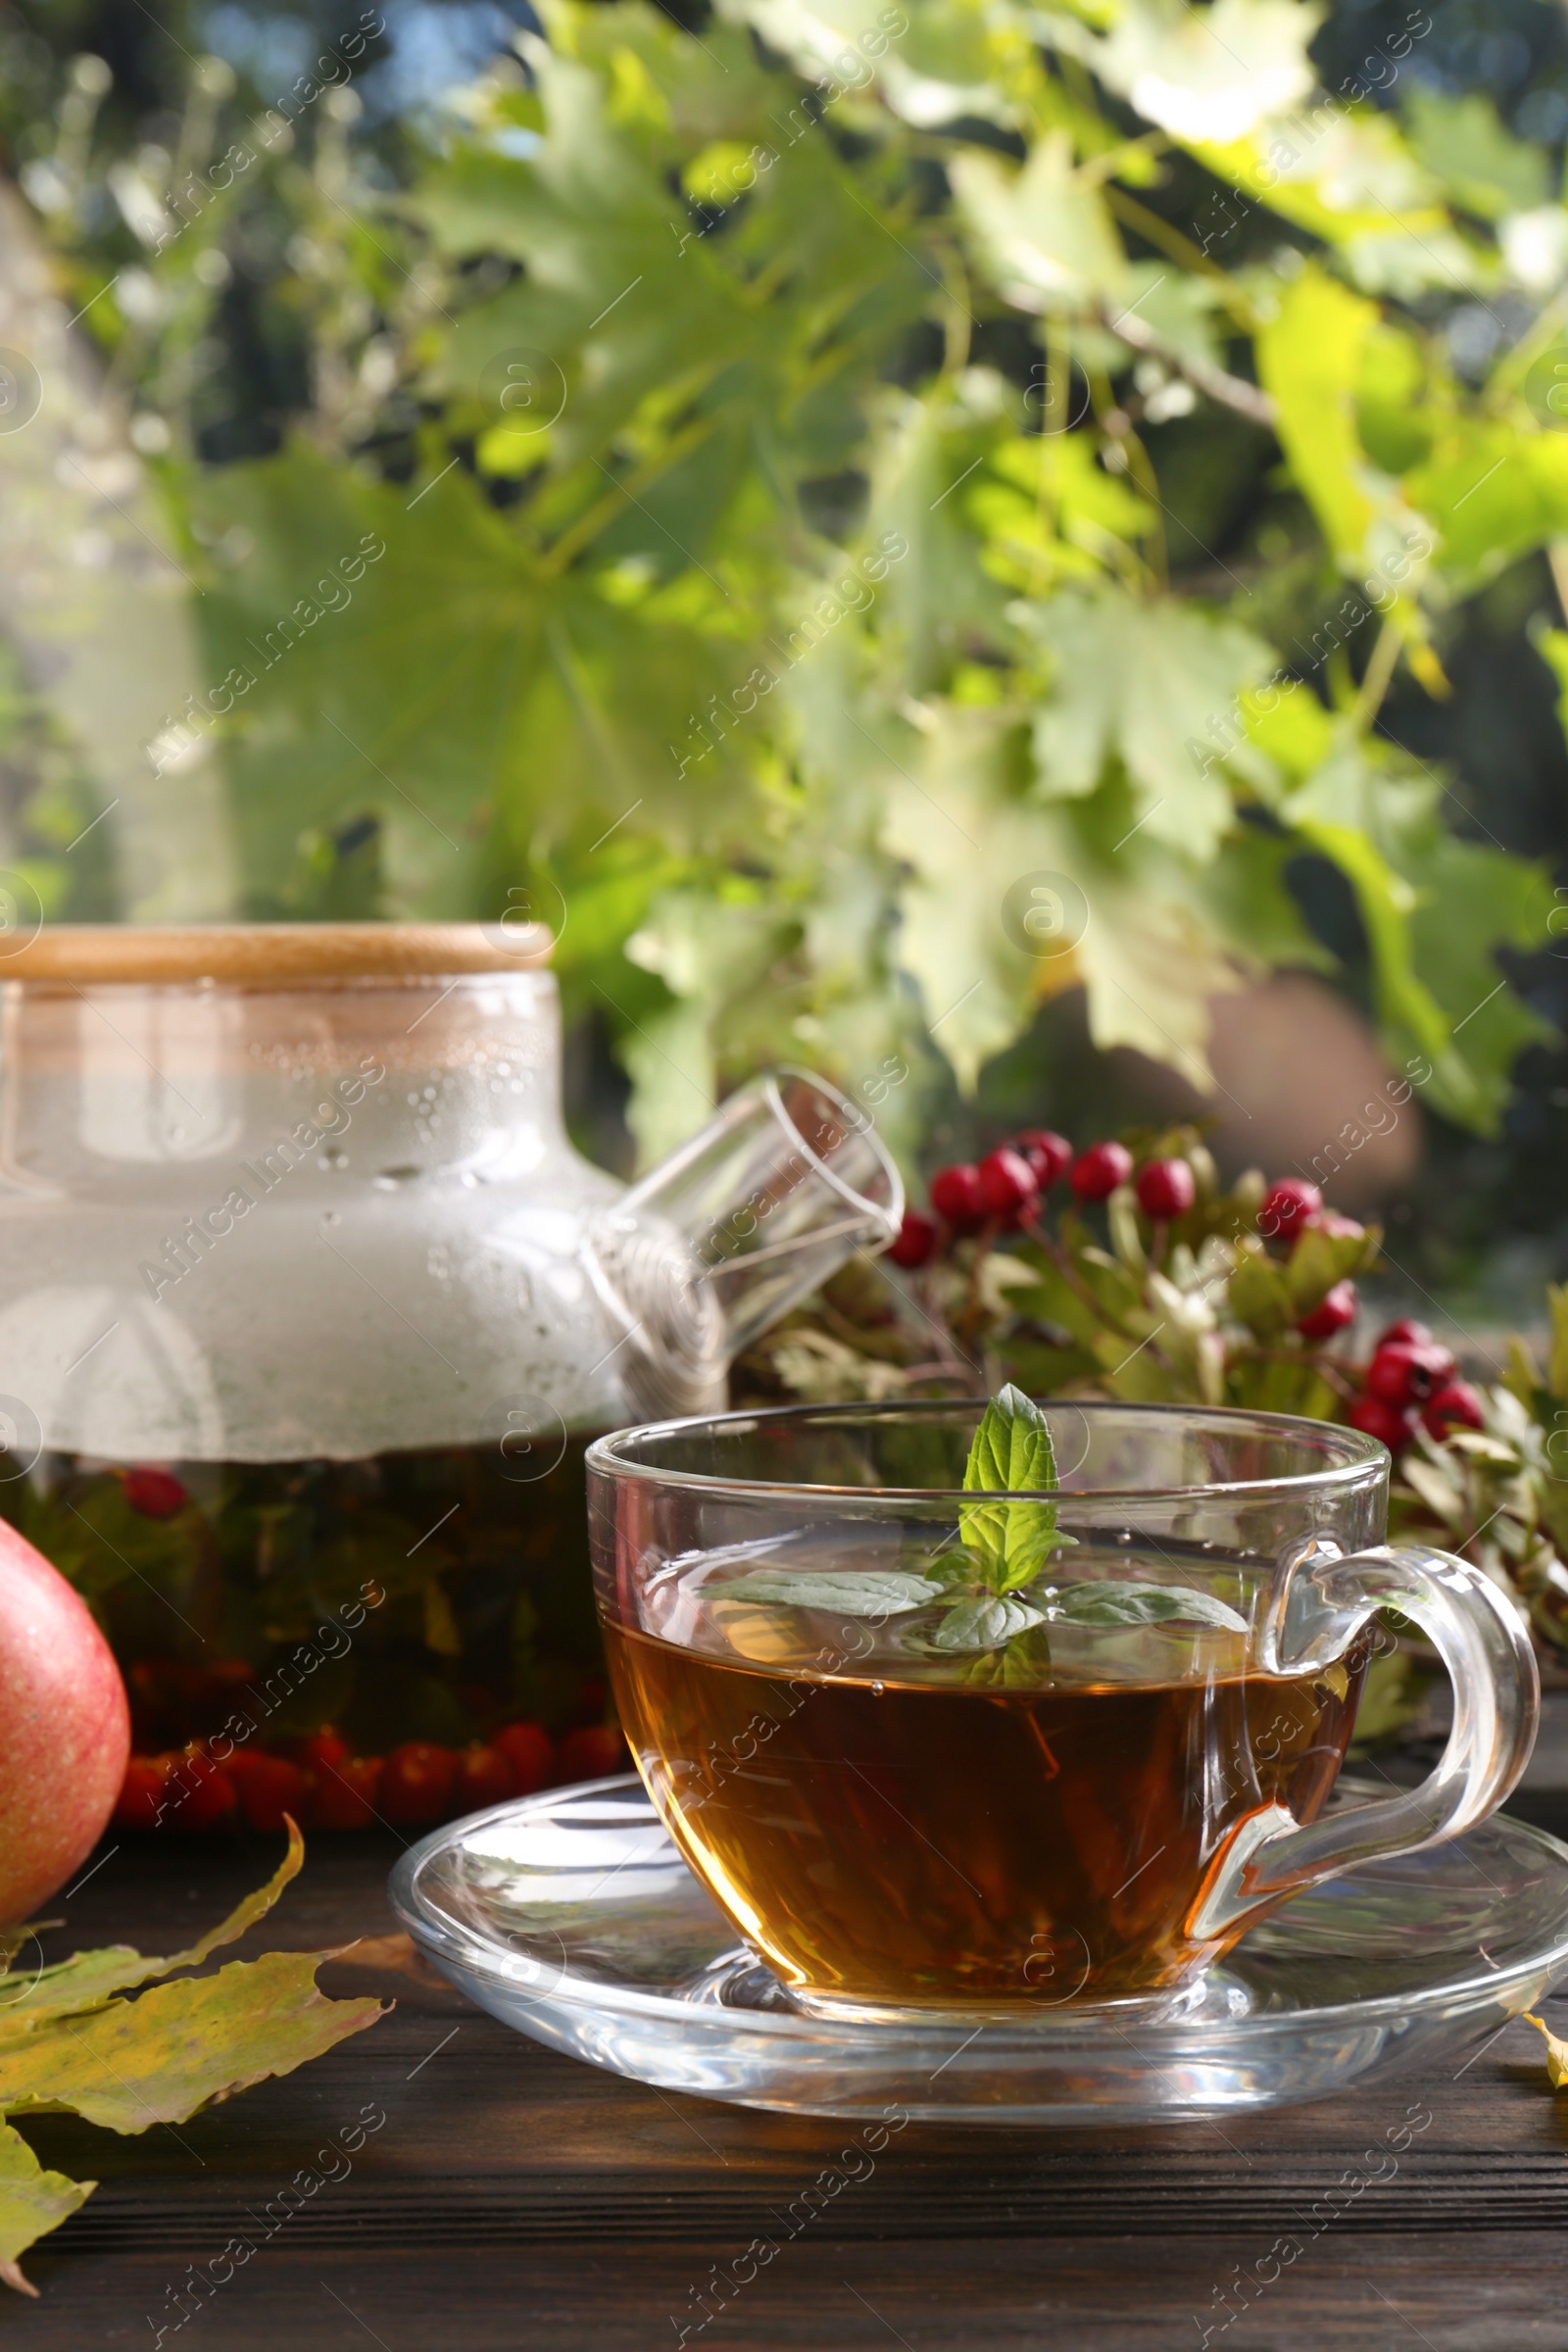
x=309 y=1310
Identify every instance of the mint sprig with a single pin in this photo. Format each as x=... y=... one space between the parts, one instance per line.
x=1003 y=1546
x=1009 y=1543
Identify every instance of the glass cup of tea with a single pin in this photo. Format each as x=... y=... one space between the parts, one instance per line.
x=1082 y=1793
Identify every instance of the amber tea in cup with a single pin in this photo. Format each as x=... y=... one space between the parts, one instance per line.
x=1082 y=1793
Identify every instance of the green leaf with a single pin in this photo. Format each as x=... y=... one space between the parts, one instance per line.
x=1112 y=1604
x=941 y=592
x=1259 y=1294
x=160 y=2058
x=1092 y=513
x=1153 y=685
x=1461 y=141
x=1012 y=1453
x=986 y=1622
x=1319 y=1260
x=1494 y=490
x=873 y=1593
x=1557 y=1354
x=32 y=2202
x=1011 y=1447
x=1309 y=357
x=453 y=672
x=1046 y=236
x=1395 y=430
x=954 y=821
x=1408 y=1006
x=1463 y=899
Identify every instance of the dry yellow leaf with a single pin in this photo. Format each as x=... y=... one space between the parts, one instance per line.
x=156 y=2060
x=30 y=1998
x=1557 y=2051
x=69 y=2044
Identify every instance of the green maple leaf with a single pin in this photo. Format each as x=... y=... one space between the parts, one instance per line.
x=452 y=674
x=1153 y=685
x=1309 y=359
x=1462 y=142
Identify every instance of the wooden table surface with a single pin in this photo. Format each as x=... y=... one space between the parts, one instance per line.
x=515 y=2198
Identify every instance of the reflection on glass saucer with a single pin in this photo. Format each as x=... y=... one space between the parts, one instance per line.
x=572 y=1917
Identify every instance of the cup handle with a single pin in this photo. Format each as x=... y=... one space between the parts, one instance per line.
x=1482 y=1640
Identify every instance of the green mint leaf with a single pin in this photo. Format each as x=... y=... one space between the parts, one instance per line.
x=1011 y=1447
x=985 y=1623
x=1112 y=1604
x=1011 y=1451
x=954 y=1570
x=1027 y=1661
x=876 y=1592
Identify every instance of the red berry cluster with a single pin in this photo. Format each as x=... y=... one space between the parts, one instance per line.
x=1412 y=1380
x=325 y=1786
x=1007 y=1189
x=1292 y=1207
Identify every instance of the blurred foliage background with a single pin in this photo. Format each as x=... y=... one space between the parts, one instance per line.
x=949 y=541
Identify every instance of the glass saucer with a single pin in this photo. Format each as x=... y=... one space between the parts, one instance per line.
x=572 y=1917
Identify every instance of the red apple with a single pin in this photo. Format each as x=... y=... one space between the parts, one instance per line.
x=65 y=1729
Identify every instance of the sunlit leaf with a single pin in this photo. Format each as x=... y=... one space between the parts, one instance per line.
x=1212 y=74
x=1494 y=492
x=1011 y=1447
x=1309 y=357
x=1048 y=238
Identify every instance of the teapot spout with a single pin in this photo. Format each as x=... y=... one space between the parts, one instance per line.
x=724 y=1237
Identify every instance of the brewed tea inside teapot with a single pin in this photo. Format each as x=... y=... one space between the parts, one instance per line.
x=309 y=1310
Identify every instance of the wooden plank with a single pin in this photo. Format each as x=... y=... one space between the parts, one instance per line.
x=1497 y=2293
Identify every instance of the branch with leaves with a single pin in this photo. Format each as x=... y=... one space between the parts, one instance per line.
x=1154 y=1283
x=628 y=653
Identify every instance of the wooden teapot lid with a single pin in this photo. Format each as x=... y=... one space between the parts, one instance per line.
x=271 y=955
